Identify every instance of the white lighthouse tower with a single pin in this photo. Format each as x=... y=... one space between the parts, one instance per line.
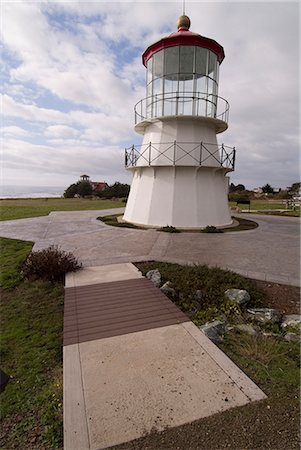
x=180 y=171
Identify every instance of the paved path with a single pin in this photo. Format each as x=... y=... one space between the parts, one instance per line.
x=270 y=252
x=134 y=363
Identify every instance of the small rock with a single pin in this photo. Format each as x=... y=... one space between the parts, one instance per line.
x=214 y=330
x=154 y=276
x=270 y=334
x=168 y=290
x=239 y=296
x=265 y=315
x=4 y=379
x=292 y=337
x=198 y=296
x=248 y=328
x=291 y=319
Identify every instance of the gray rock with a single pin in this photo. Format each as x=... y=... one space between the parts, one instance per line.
x=292 y=337
x=239 y=296
x=154 y=276
x=265 y=315
x=214 y=330
x=291 y=319
x=248 y=328
x=198 y=296
x=168 y=290
x=270 y=334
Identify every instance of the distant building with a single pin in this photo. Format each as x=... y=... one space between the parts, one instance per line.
x=258 y=190
x=96 y=185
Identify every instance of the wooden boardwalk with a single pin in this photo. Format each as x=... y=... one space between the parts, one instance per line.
x=111 y=309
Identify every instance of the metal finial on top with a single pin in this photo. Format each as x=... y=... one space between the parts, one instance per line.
x=183 y=22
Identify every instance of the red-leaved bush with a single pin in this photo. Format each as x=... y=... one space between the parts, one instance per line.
x=50 y=264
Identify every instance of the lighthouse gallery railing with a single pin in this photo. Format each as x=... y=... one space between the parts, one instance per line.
x=173 y=152
x=199 y=104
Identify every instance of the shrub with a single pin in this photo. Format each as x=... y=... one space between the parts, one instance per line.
x=211 y=229
x=117 y=190
x=239 y=195
x=169 y=229
x=49 y=264
x=71 y=191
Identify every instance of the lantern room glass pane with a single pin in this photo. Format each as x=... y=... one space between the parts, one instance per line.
x=187 y=59
x=158 y=64
x=171 y=84
x=201 y=61
x=201 y=84
x=149 y=72
x=157 y=86
x=171 y=61
x=212 y=64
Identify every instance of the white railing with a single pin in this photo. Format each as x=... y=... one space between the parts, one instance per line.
x=180 y=153
x=198 y=104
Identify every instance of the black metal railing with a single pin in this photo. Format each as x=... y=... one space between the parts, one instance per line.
x=172 y=153
x=199 y=104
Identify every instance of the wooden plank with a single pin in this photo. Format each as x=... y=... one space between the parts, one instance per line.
x=111 y=309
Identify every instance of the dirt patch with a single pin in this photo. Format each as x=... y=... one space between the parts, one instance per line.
x=285 y=299
x=266 y=425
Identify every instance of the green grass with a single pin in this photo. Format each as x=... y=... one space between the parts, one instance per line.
x=263 y=205
x=271 y=362
x=12 y=254
x=25 y=208
x=212 y=282
x=31 y=354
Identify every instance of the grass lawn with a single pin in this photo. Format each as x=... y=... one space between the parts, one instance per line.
x=11 y=209
x=263 y=205
x=31 y=353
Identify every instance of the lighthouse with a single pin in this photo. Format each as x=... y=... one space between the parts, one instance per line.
x=179 y=172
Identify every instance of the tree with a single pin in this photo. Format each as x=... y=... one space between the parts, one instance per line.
x=267 y=189
x=238 y=188
x=71 y=191
x=84 y=188
x=81 y=188
x=294 y=189
x=117 y=190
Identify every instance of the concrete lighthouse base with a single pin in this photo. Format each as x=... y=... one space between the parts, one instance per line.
x=183 y=197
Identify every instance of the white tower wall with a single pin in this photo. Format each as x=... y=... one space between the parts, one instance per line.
x=158 y=147
x=184 y=197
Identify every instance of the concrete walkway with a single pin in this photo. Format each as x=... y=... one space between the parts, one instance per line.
x=270 y=252
x=121 y=387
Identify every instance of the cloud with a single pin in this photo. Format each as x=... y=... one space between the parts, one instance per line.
x=31 y=112
x=14 y=131
x=60 y=131
x=73 y=78
x=61 y=162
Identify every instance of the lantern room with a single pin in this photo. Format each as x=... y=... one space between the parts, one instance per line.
x=182 y=77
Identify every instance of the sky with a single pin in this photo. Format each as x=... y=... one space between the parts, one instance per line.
x=72 y=73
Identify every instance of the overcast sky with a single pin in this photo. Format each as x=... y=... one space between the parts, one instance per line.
x=72 y=73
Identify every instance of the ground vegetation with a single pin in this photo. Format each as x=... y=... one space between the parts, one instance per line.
x=11 y=209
